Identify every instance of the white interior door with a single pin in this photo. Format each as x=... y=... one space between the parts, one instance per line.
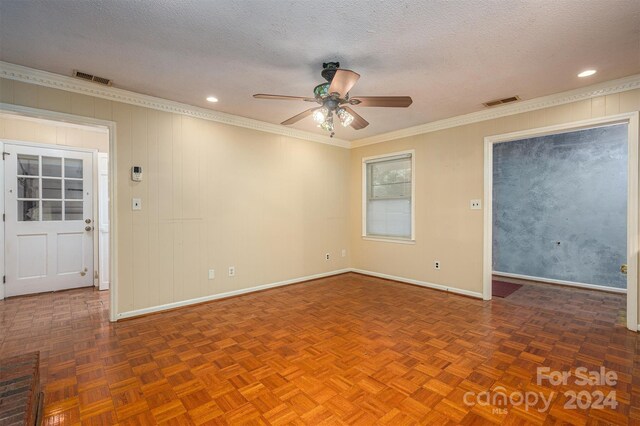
x=49 y=219
x=103 y=220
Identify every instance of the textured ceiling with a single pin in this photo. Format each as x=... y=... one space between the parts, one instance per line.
x=450 y=56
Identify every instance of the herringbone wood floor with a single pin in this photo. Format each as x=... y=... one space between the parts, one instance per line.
x=343 y=350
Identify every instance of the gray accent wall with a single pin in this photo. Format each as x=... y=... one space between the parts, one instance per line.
x=560 y=206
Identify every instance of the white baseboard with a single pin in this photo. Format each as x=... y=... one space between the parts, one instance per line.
x=561 y=282
x=420 y=283
x=181 y=303
x=477 y=295
x=153 y=309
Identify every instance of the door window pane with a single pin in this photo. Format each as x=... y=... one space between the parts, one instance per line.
x=52 y=166
x=28 y=165
x=72 y=168
x=28 y=188
x=73 y=210
x=52 y=188
x=73 y=189
x=28 y=211
x=52 y=210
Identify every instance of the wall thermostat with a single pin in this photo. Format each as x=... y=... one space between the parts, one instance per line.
x=136 y=173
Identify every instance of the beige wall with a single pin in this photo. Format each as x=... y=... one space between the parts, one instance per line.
x=449 y=173
x=40 y=131
x=216 y=196
x=213 y=196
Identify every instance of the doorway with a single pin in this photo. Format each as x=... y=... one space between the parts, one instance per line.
x=629 y=214
x=73 y=137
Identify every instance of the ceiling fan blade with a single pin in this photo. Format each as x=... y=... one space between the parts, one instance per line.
x=283 y=97
x=383 y=101
x=358 y=122
x=299 y=117
x=343 y=81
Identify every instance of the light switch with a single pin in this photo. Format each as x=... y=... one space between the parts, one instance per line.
x=136 y=204
x=476 y=205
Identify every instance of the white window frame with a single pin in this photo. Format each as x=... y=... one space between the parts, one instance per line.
x=382 y=157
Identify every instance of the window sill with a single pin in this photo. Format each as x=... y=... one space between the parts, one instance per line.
x=389 y=240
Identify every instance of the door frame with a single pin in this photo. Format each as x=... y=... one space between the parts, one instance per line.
x=23 y=111
x=631 y=119
x=98 y=254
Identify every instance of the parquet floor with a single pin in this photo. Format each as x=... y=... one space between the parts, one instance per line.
x=343 y=350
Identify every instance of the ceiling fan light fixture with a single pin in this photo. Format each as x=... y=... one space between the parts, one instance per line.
x=327 y=124
x=345 y=118
x=320 y=115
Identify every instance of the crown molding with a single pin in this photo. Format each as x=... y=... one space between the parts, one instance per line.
x=57 y=81
x=600 y=89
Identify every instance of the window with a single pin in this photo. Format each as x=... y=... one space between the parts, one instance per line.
x=388 y=196
x=40 y=189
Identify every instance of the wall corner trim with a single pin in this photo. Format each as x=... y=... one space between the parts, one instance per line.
x=70 y=84
x=600 y=89
x=433 y=286
x=209 y=298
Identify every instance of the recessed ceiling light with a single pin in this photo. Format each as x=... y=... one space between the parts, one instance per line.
x=212 y=99
x=587 y=73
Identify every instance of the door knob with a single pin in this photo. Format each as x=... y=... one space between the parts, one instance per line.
x=88 y=228
x=623 y=268
x=87 y=221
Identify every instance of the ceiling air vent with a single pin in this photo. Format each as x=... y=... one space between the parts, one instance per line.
x=501 y=101
x=91 y=77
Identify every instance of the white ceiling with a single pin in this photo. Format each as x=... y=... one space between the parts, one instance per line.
x=450 y=56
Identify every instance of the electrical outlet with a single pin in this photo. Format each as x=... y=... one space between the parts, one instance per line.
x=136 y=204
x=436 y=264
x=327 y=256
x=475 y=204
x=232 y=271
x=344 y=252
x=212 y=274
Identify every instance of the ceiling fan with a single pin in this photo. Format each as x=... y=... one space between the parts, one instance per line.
x=334 y=99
